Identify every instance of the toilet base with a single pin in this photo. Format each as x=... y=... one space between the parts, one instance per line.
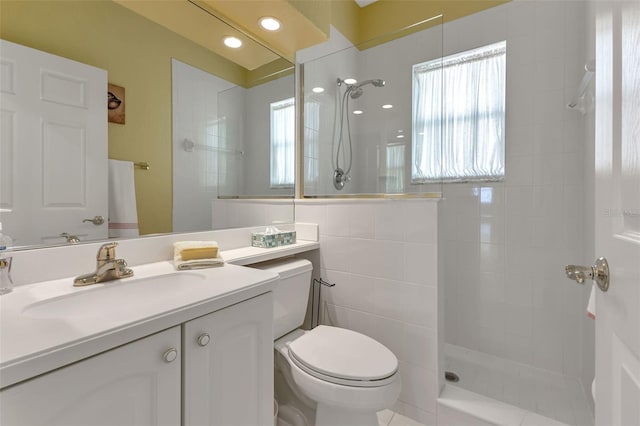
x=327 y=415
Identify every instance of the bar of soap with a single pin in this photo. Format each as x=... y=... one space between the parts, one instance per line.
x=199 y=253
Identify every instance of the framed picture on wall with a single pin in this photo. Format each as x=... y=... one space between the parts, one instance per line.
x=115 y=104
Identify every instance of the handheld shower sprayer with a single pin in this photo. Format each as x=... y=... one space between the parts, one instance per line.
x=354 y=91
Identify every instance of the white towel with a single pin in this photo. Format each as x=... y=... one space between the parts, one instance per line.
x=123 y=213
x=591 y=305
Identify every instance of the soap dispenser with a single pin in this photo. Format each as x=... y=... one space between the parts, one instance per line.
x=6 y=284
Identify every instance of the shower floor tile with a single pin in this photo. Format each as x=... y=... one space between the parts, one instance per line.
x=542 y=392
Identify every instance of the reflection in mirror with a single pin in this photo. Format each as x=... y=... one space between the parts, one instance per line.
x=219 y=159
x=136 y=53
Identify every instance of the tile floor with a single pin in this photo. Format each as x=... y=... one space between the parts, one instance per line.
x=543 y=392
x=389 y=418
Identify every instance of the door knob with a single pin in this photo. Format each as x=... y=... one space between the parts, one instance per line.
x=598 y=273
x=98 y=220
x=170 y=355
x=204 y=339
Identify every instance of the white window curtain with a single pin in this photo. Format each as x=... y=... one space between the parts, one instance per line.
x=283 y=131
x=395 y=168
x=459 y=117
x=215 y=139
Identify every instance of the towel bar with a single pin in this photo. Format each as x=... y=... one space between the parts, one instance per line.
x=142 y=165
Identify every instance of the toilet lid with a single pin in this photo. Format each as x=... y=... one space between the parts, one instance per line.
x=343 y=356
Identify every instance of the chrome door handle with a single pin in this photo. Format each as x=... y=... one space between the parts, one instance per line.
x=98 y=220
x=598 y=273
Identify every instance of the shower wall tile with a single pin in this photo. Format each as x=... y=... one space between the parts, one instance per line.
x=523 y=239
x=383 y=257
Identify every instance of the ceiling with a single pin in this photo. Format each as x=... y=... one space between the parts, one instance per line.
x=205 y=23
x=304 y=22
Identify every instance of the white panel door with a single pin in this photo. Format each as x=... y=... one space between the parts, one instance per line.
x=617 y=196
x=228 y=366
x=53 y=146
x=135 y=384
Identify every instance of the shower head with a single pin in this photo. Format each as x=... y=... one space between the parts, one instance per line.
x=356 y=89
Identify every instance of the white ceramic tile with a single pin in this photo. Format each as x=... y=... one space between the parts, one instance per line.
x=519 y=170
x=548 y=137
x=518 y=200
x=548 y=106
x=391 y=333
x=421 y=305
x=352 y=291
x=548 y=169
x=491 y=286
x=390 y=298
x=361 y=220
x=548 y=75
x=389 y=221
x=468 y=227
x=400 y=420
x=422 y=215
x=420 y=263
x=419 y=387
x=311 y=213
x=423 y=417
x=334 y=252
x=337 y=223
x=384 y=417
x=420 y=346
x=533 y=419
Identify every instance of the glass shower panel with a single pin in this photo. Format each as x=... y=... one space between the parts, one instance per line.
x=359 y=116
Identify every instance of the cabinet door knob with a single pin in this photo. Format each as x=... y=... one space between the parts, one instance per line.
x=170 y=355
x=204 y=339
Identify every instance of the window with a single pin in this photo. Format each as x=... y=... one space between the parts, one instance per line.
x=283 y=132
x=215 y=139
x=395 y=168
x=459 y=116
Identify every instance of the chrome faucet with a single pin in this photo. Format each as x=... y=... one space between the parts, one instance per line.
x=107 y=267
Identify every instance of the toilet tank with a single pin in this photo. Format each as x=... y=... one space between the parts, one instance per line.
x=291 y=296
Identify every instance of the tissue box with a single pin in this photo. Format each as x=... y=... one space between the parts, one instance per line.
x=263 y=240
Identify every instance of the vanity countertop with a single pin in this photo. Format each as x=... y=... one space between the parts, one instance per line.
x=35 y=339
x=250 y=255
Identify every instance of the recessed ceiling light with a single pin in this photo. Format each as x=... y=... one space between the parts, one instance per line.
x=358 y=112
x=387 y=106
x=269 y=23
x=400 y=136
x=350 y=80
x=401 y=131
x=232 y=42
x=317 y=90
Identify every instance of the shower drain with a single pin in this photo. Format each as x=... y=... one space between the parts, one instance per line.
x=451 y=376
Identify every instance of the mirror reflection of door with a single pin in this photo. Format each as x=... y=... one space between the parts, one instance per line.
x=53 y=154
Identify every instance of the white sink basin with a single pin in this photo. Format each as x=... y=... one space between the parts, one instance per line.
x=118 y=298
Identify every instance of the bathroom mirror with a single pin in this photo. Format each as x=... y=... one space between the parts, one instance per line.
x=137 y=53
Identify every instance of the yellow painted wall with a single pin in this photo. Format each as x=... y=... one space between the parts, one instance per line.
x=386 y=20
x=137 y=55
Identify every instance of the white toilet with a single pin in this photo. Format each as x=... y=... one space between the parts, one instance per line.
x=340 y=376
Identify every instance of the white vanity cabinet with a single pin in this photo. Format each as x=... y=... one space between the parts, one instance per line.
x=214 y=370
x=134 y=384
x=228 y=366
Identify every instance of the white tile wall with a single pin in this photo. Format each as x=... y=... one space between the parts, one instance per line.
x=506 y=243
x=382 y=255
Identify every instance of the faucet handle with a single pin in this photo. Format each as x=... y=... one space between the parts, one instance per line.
x=107 y=251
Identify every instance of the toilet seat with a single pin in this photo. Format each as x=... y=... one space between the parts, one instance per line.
x=343 y=357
